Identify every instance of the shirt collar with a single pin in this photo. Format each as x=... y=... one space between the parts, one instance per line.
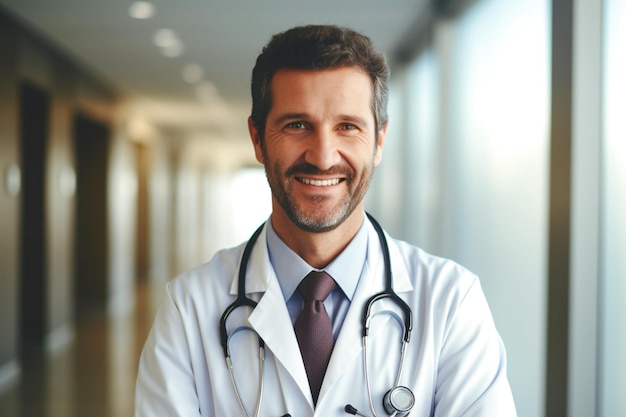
x=290 y=268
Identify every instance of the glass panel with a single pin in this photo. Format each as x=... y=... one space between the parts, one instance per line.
x=613 y=247
x=423 y=191
x=496 y=184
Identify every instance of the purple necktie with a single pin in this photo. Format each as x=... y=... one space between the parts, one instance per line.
x=314 y=330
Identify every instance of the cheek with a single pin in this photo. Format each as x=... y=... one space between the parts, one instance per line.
x=363 y=157
x=286 y=152
x=280 y=158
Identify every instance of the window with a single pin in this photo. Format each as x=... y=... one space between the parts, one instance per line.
x=612 y=374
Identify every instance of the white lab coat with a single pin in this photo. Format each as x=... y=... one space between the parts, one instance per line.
x=455 y=364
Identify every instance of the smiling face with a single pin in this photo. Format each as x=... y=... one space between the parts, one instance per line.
x=320 y=146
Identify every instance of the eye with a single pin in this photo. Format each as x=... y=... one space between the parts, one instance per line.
x=295 y=125
x=348 y=126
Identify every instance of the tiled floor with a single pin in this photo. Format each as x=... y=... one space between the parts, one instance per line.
x=94 y=377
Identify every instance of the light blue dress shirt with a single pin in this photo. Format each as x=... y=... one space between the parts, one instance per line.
x=346 y=270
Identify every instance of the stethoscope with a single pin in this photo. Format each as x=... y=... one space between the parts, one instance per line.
x=397 y=402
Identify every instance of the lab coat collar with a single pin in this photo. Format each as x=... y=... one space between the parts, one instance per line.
x=270 y=319
x=260 y=270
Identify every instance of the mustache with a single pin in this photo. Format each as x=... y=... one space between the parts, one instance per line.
x=306 y=168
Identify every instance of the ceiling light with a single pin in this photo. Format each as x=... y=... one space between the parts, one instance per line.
x=164 y=38
x=192 y=73
x=173 y=50
x=141 y=10
x=168 y=41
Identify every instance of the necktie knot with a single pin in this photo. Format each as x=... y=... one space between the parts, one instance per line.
x=316 y=286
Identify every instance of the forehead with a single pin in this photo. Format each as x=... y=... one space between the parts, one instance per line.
x=343 y=86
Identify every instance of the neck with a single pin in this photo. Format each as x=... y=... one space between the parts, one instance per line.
x=317 y=249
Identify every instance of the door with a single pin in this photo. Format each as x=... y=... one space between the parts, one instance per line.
x=34 y=109
x=91 y=140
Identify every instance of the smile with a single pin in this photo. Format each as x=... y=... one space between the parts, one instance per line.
x=319 y=183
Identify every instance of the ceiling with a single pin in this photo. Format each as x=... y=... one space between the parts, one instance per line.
x=220 y=37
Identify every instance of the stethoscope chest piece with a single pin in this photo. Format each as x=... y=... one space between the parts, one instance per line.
x=399 y=401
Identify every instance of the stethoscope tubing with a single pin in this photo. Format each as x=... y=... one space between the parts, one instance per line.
x=233 y=379
x=243 y=301
x=388 y=292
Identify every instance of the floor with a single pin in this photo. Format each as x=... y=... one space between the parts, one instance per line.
x=94 y=376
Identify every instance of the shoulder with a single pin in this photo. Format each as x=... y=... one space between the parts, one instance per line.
x=447 y=294
x=438 y=276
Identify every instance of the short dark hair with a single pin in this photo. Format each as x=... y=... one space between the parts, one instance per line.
x=318 y=47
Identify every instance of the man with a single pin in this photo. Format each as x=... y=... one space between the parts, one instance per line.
x=318 y=125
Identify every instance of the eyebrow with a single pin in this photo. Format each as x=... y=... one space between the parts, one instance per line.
x=356 y=119
x=303 y=116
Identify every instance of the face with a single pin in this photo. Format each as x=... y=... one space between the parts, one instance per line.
x=320 y=145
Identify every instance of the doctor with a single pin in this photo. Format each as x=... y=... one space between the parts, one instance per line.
x=318 y=125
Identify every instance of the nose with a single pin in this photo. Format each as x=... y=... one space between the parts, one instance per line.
x=322 y=150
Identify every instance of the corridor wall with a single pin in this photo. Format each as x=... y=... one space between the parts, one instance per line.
x=26 y=57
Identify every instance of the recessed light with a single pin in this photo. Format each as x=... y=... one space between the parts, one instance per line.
x=192 y=73
x=141 y=10
x=173 y=50
x=168 y=41
x=164 y=38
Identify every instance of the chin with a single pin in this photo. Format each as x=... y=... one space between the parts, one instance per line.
x=317 y=223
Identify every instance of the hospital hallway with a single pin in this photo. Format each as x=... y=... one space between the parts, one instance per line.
x=94 y=376
x=126 y=159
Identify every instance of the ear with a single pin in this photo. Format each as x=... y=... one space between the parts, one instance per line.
x=256 y=140
x=380 y=144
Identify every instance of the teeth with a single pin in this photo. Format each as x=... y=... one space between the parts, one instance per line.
x=320 y=183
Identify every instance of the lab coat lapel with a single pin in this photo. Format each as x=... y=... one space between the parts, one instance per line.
x=272 y=322
x=348 y=348
x=270 y=318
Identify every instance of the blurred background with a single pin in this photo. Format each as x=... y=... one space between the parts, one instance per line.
x=125 y=159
